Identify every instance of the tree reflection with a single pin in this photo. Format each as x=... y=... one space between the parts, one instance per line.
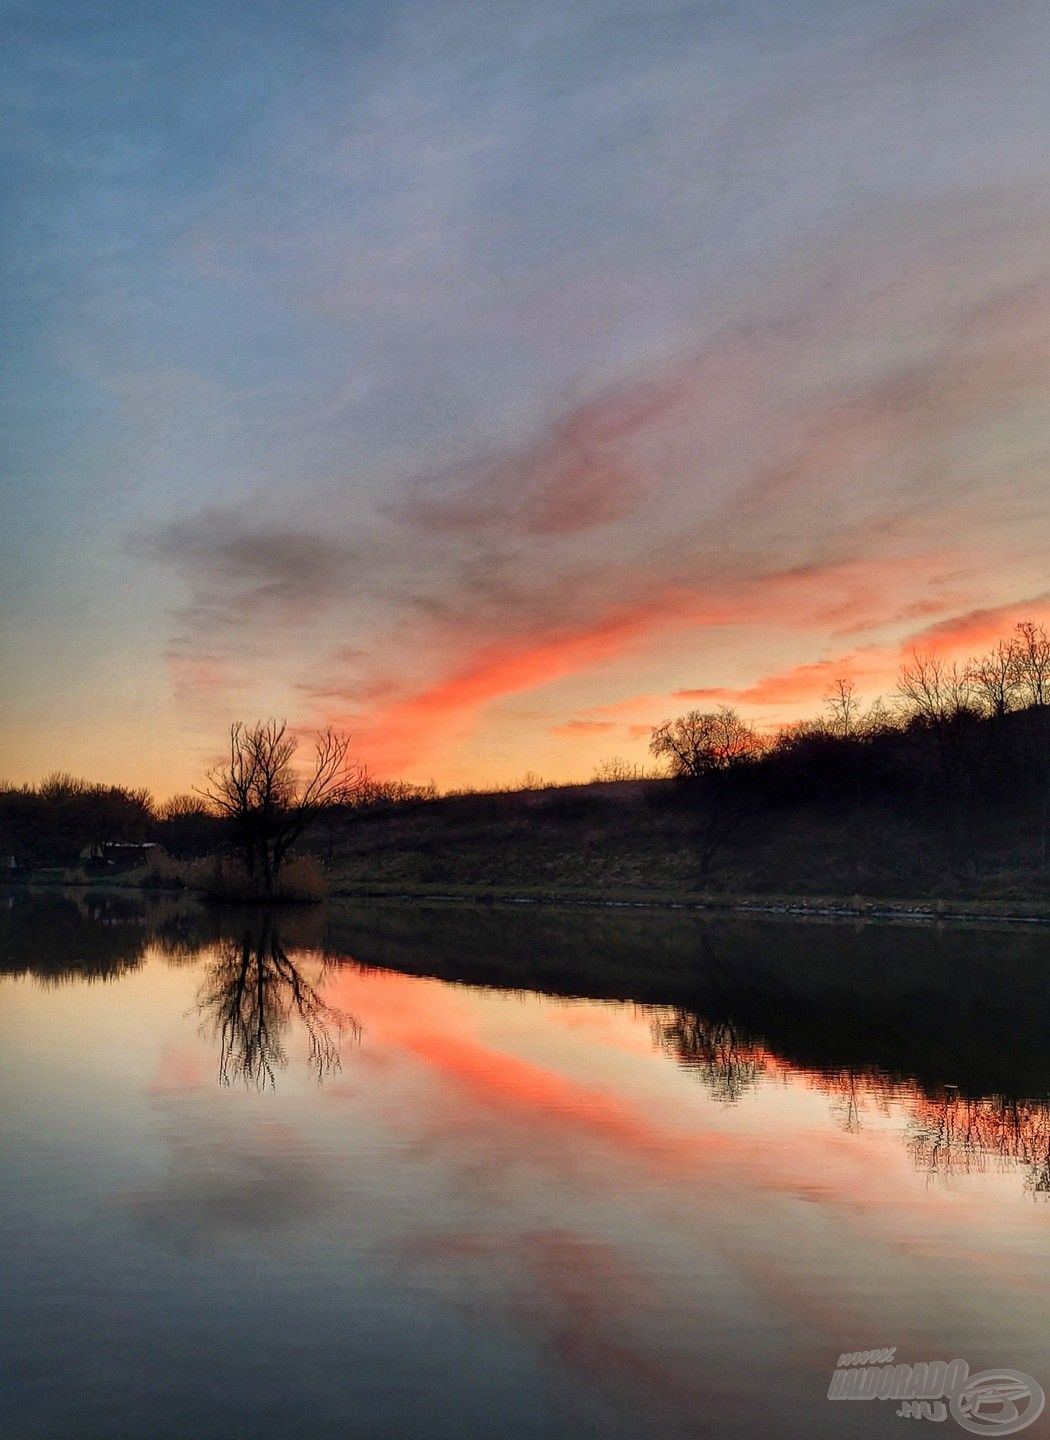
x=726 y=1062
x=875 y=1019
x=954 y=1134
x=249 y=997
x=947 y=1133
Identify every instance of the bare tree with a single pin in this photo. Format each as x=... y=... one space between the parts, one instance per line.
x=943 y=700
x=843 y=708
x=1031 y=647
x=995 y=678
x=704 y=742
x=615 y=768
x=935 y=692
x=375 y=793
x=181 y=807
x=940 y=702
x=704 y=748
x=269 y=803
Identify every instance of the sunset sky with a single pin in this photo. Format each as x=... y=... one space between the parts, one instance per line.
x=494 y=381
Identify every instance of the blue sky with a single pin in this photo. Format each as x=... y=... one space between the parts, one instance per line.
x=474 y=375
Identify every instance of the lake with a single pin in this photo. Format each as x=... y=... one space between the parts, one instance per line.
x=399 y=1171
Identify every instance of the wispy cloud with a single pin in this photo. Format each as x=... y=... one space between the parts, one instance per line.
x=796 y=431
x=874 y=669
x=573 y=729
x=241 y=573
x=578 y=477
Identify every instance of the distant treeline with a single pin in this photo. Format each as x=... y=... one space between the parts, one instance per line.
x=958 y=746
x=957 y=756
x=957 y=740
x=67 y=821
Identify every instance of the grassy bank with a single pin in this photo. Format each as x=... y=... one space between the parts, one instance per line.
x=640 y=843
x=835 y=907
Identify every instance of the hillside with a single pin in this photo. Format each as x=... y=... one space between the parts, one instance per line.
x=644 y=838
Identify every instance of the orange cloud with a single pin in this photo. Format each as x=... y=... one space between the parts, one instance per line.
x=804 y=683
x=397 y=733
x=573 y=729
x=875 y=668
x=401 y=730
x=979 y=629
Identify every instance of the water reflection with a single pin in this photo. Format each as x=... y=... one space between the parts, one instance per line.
x=250 y=993
x=660 y=1198
x=869 y=1017
x=954 y=1134
x=54 y=938
x=947 y=1133
x=726 y=1063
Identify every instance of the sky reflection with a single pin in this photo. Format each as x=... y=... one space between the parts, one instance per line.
x=579 y=1215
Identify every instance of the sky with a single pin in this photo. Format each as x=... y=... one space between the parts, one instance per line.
x=495 y=381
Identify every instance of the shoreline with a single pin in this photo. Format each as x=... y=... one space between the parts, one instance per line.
x=909 y=912
x=922 y=912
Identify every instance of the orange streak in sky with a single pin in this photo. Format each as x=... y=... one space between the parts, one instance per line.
x=849 y=593
x=394 y=734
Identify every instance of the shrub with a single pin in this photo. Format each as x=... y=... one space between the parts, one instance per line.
x=164 y=873
x=301 y=881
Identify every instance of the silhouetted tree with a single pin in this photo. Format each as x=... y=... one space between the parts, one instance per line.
x=187 y=826
x=608 y=772
x=995 y=678
x=704 y=742
x=834 y=757
x=267 y=802
x=180 y=807
x=940 y=700
x=64 y=815
x=706 y=750
x=377 y=794
x=1031 y=649
x=844 y=710
x=935 y=692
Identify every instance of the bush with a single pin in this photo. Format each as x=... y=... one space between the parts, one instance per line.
x=301 y=881
x=164 y=873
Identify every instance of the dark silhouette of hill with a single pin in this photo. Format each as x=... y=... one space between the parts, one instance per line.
x=946 y=795
x=816 y=813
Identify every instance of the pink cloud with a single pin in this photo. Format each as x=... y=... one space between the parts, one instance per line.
x=875 y=668
x=401 y=729
x=581 y=729
x=979 y=629
x=794 y=469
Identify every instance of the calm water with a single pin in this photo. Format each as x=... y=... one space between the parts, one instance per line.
x=346 y=1175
